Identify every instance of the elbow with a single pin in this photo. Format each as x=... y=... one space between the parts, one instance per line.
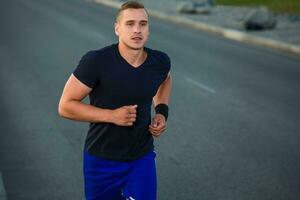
x=62 y=110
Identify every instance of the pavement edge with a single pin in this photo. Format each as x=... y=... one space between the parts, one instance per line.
x=226 y=33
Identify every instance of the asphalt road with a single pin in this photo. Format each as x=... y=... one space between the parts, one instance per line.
x=233 y=131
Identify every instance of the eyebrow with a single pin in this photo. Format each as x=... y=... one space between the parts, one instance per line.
x=129 y=21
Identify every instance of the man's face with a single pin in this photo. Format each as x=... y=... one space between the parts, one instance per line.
x=132 y=28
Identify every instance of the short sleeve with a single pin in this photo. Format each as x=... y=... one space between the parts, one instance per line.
x=87 y=69
x=167 y=64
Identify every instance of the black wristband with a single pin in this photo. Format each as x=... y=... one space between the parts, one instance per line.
x=162 y=109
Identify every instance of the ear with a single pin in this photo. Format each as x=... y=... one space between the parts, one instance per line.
x=117 y=28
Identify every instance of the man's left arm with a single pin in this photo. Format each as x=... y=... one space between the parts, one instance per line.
x=158 y=125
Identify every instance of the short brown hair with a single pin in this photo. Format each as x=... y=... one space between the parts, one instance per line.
x=128 y=5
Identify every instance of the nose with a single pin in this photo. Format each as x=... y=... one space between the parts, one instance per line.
x=137 y=29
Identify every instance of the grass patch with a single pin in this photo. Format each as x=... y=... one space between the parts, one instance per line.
x=279 y=6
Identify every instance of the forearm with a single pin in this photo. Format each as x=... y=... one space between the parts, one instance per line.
x=77 y=110
x=163 y=92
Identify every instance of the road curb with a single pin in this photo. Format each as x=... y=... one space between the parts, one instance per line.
x=226 y=33
x=2 y=190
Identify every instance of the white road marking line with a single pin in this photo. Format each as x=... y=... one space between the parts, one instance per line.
x=198 y=84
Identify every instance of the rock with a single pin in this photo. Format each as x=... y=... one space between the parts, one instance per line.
x=186 y=7
x=192 y=7
x=259 y=19
x=204 y=9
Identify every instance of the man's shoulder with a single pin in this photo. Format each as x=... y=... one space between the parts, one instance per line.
x=157 y=53
x=159 y=56
x=103 y=52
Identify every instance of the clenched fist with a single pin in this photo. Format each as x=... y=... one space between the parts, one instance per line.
x=158 y=125
x=124 y=116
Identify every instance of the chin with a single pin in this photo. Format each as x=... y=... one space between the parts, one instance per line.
x=136 y=46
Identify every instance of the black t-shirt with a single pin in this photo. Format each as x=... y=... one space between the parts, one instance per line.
x=116 y=83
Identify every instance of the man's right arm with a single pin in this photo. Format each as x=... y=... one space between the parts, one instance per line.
x=71 y=106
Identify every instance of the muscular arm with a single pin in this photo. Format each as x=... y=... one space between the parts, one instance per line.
x=71 y=107
x=163 y=92
x=158 y=124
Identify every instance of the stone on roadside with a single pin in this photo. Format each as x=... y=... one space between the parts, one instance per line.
x=186 y=7
x=259 y=19
x=194 y=7
x=203 y=9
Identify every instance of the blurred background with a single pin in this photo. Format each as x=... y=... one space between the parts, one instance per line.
x=233 y=131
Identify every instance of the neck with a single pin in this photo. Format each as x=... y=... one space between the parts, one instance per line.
x=134 y=57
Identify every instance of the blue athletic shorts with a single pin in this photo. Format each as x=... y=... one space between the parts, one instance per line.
x=114 y=180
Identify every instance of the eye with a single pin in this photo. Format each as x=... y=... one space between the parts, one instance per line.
x=129 y=24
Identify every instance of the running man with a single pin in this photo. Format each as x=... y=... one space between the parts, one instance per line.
x=122 y=81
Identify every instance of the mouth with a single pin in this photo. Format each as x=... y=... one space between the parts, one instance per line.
x=137 y=38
